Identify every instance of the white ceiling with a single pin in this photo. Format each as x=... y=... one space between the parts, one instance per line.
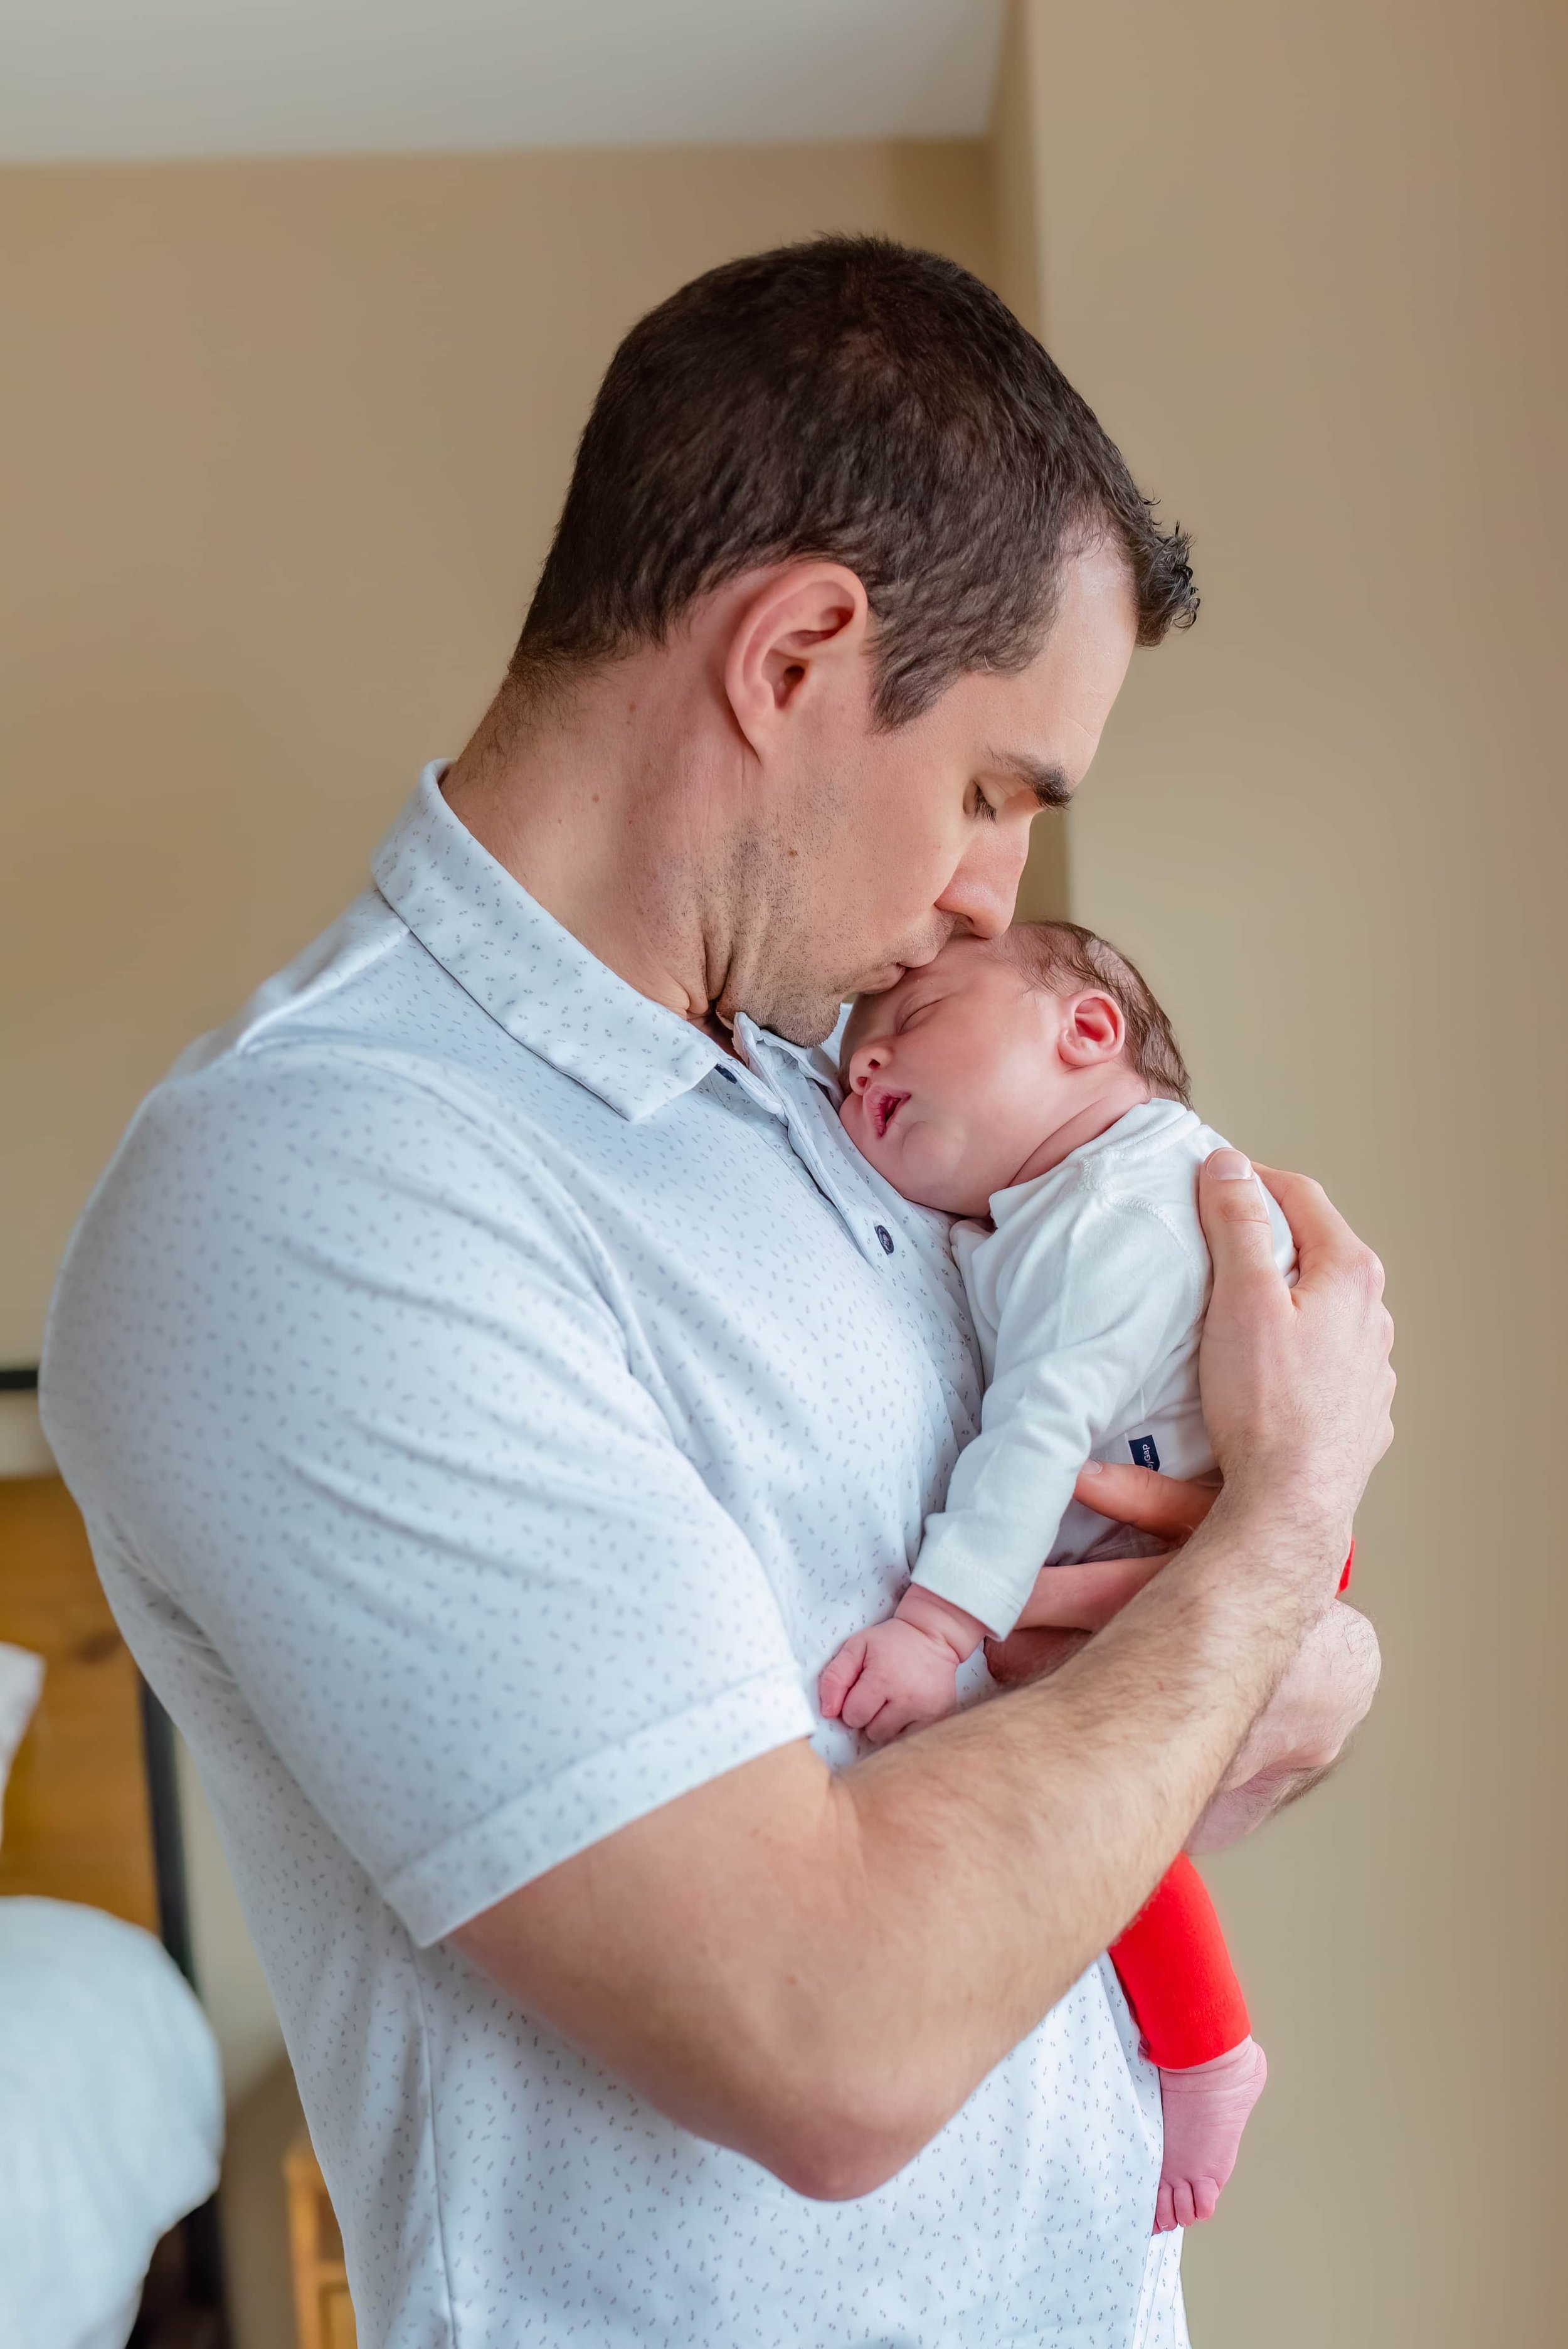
x=108 y=80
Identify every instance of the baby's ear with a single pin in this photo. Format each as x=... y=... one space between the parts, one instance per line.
x=1093 y=1030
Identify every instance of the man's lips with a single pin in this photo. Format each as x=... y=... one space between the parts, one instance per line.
x=883 y=1107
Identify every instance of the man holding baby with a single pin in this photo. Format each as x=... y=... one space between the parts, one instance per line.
x=496 y=1387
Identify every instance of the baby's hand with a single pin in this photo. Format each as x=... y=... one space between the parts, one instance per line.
x=889 y=1679
x=899 y=1675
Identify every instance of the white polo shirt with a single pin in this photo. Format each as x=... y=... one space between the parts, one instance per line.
x=491 y=1407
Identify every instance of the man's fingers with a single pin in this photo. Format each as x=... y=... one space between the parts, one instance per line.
x=1297 y=1376
x=1030 y=1655
x=1166 y=1506
x=1329 y=1250
x=1085 y=1597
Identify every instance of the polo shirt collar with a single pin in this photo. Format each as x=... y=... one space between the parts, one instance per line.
x=533 y=977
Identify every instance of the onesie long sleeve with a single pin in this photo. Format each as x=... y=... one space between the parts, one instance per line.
x=1089 y=1297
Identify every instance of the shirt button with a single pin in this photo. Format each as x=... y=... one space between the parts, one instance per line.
x=886 y=1239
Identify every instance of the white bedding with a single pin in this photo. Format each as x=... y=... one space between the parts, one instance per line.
x=111 y=2120
x=21 y=1678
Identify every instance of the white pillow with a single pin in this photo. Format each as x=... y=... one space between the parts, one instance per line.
x=21 y=1678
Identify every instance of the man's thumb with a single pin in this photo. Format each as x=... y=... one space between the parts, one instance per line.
x=1235 y=1213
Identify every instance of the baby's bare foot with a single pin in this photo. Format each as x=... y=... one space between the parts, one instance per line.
x=1206 y=2110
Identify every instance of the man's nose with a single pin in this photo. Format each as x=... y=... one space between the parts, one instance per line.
x=984 y=891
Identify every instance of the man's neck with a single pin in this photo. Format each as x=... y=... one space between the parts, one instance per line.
x=1116 y=1090
x=570 y=798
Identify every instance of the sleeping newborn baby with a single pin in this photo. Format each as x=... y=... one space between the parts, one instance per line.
x=1032 y=1085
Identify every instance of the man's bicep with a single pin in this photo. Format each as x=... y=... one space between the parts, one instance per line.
x=480 y=1601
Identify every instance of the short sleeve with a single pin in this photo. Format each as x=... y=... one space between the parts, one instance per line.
x=376 y=1439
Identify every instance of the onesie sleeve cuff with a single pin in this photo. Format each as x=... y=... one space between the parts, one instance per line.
x=949 y=1569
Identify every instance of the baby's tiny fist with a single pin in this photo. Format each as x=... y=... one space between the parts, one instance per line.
x=890 y=1678
x=840 y=1677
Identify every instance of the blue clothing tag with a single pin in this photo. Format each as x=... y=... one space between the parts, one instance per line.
x=1144 y=1450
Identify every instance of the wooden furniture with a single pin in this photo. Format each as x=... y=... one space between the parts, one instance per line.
x=78 y=1821
x=322 y=2311
x=91 y=1813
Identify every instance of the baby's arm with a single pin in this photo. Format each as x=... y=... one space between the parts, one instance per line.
x=1087 y=1314
x=900 y=1674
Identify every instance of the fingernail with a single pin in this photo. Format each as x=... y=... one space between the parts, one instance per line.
x=1092 y=1468
x=1229 y=1166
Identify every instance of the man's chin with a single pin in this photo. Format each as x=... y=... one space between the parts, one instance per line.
x=805 y=1024
x=808 y=1019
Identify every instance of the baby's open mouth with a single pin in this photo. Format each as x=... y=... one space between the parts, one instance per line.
x=884 y=1108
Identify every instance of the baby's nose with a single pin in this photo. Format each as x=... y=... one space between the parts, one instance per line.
x=864 y=1064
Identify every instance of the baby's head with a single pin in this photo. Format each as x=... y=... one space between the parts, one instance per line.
x=985 y=1067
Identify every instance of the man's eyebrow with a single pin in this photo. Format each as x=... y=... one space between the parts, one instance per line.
x=1049 y=785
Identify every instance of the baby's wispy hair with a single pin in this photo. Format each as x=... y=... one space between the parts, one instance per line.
x=1062 y=957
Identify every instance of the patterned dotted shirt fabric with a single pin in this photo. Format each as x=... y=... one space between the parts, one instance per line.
x=491 y=1406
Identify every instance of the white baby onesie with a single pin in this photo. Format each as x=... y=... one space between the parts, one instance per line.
x=1089 y=1297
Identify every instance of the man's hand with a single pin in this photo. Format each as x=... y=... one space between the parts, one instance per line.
x=819 y=1972
x=1325 y=1695
x=1296 y=1382
x=1301 y=1731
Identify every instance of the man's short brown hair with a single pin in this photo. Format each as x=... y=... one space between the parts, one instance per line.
x=854 y=400
x=1062 y=958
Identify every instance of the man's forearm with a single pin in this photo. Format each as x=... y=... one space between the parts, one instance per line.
x=1297 y=1739
x=1056 y=1809
x=857 y=1953
x=819 y=1973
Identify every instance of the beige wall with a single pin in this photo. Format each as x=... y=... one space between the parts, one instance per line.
x=282 y=446
x=1017 y=166
x=1308 y=266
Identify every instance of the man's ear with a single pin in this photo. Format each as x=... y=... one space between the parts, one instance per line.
x=807 y=626
x=1093 y=1030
